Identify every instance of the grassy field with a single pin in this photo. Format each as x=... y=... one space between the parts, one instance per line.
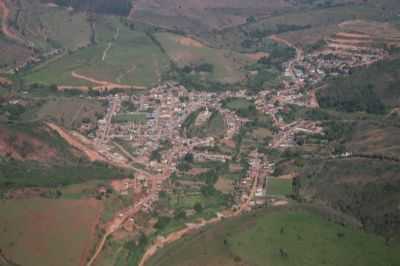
x=70 y=112
x=277 y=186
x=120 y=55
x=237 y=104
x=48 y=27
x=135 y=117
x=41 y=232
x=279 y=237
x=184 y=51
x=213 y=127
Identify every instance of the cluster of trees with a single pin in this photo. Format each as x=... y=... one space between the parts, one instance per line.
x=356 y=99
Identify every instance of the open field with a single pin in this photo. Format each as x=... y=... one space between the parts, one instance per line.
x=12 y=53
x=42 y=232
x=135 y=117
x=120 y=56
x=237 y=104
x=281 y=187
x=214 y=126
x=278 y=237
x=184 y=51
x=70 y=112
x=48 y=26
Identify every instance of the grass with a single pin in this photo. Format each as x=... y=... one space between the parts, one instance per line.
x=279 y=237
x=139 y=118
x=62 y=24
x=213 y=127
x=227 y=65
x=41 y=232
x=236 y=104
x=278 y=186
x=121 y=55
x=70 y=112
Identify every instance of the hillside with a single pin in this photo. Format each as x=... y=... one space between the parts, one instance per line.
x=278 y=237
x=32 y=155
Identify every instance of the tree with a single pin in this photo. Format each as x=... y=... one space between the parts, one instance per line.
x=198 y=207
x=189 y=157
x=155 y=156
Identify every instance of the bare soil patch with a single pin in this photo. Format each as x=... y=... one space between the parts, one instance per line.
x=190 y=42
x=22 y=146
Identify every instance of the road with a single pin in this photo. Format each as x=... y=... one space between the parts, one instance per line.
x=4 y=22
x=116 y=223
x=92 y=154
x=299 y=53
x=191 y=227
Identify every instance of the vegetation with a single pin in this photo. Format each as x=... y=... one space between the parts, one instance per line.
x=279 y=237
x=38 y=244
x=361 y=91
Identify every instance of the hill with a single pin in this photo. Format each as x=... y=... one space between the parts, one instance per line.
x=31 y=155
x=297 y=236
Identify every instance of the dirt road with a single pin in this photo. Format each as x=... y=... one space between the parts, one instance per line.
x=115 y=224
x=5 y=11
x=103 y=83
x=92 y=154
x=299 y=52
x=152 y=250
x=99 y=85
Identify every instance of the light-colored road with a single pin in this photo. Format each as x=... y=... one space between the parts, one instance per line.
x=152 y=250
x=115 y=224
x=92 y=154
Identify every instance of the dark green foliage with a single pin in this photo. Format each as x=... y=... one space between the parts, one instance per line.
x=371 y=89
x=116 y=7
x=357 y=98
x=368 y=189
x=162 y=222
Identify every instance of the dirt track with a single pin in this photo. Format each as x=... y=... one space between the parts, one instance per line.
x=152 y=250
x=4 y=22
x=76 y=143
x=100 y=85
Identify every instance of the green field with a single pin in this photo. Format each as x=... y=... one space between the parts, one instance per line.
x=68 y=112
x=136 y=117
x=184 y=51
x=237 y=104
x=42 y=232
x=120 y=55
x=48 y=27
x=277 y=186
x=279 y=237
x=213 y=127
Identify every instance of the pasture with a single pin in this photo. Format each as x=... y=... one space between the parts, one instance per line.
x=70 y=112
x=41 y=232
x=184 y=51
x=120 y=56
x=278 y=237
x=279 y=187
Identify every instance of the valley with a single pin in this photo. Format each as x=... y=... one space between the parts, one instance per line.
x=199 y=132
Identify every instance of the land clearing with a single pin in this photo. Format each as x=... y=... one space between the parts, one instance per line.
x=23 y=146
x=225 y=185
x=41 y=232
x=75 y=142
